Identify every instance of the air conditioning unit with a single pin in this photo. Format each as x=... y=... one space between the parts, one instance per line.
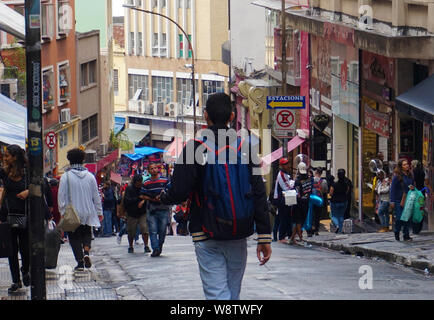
x=90 y=156
x=188 y=110
x=159 y=109
x=172 y=109
x=102 y=149
x=149 y=108
x=140 y=106
x=65 y=115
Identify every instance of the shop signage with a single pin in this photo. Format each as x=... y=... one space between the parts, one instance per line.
x=339 y=34
x=377 y=122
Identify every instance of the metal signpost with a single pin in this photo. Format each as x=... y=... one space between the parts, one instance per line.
x=34 y=149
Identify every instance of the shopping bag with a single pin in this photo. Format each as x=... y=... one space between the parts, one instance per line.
x=290 y=197
x=70 y=220
x=419 y=205
x=52 y=245
x=5 y=240
x=407 y=212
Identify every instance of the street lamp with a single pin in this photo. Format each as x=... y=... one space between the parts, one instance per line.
x=133 y=7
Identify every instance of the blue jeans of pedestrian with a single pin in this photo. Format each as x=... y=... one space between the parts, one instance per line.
x=221 y=265
x=157 y=224
x=107 y=223
x=383 y=213
x=338 y=213
x=398 y=223
x=285 y=226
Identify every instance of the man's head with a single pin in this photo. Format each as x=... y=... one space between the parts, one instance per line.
x=137 y=181
x=302 y=168
x=285 y=165
x=218 y=110
x=75 y=156
x=153 y=169
x=318 y=172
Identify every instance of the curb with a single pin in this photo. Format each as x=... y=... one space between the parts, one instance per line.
x=418 y=264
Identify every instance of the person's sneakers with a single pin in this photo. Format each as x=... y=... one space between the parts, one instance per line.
x=26 y=279
x=14 y=287
x=337 y=230
x=79 y=267
x=87 y=262
x=130 y=250
x=407 y=238
x=118 y=239
x=147 y=249
x=155 y=253
x=397 y=236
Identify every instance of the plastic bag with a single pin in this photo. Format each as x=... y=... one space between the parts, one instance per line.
x=412 y=206
x=419 y=205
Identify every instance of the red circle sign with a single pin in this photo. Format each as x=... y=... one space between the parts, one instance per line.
x=285 y=119
x=51 y=140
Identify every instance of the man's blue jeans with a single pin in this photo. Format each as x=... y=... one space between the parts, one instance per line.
x=157 y=224
x=383 y=213
x=338 y=213
x=222 y=265
x=107 y=223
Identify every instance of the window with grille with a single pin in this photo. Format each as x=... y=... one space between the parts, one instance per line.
x=162 y=89
x=89 y=128
x=116 y=81
x=185 y=91
x=136 y=82
x=63 y=138
x=211 y=87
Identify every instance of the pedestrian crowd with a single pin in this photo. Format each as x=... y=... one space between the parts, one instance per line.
x=390 y=198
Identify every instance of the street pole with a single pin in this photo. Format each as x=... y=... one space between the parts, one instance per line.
x=284 y=67
x=133 y=7
x=35 y=147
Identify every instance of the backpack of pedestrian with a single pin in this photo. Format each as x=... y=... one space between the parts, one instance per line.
x=222 y=263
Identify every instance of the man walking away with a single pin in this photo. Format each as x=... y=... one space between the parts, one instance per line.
x=136 y=213
x=222 y=259
x=108 y=206
x=158 y=213
x=86 y=200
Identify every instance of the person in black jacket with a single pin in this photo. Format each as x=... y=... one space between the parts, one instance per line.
x=221 y=262
x=136 y=213
x=14 y=200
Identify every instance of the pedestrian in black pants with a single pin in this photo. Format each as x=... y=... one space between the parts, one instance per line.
x=14 y=198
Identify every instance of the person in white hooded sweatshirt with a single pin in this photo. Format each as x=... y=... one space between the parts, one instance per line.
x=86 y=200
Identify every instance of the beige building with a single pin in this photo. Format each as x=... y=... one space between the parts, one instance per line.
x=155 y=73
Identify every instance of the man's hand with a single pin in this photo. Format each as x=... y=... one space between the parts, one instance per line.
x=101 y=218
x=263 y=252
x=141 y=203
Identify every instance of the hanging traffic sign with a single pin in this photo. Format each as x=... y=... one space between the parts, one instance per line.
x=51 y=140
x=284 y=123
x=286 y=102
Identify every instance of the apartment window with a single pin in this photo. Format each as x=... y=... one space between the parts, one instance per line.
x=63 y=138
x=211 y=87
x=163 y=45
x=139 y=3
x=181 y=46
x=116 y=81
x=185 y=91
x=89 y=128
x=162 y=3
x=155 y=48
x=180 y=2
x=162 y=89
x=138 y=82
x=140 y=43
x=64 y=17
x=47 y=20
x=131 y=42
x=48 y=89
x=88 y=74
x=154 y=3
x=64 y=82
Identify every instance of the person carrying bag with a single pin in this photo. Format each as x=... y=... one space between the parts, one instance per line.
x=70 y=220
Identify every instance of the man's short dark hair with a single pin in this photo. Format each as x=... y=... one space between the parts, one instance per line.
x=137 y=178
x=75 y=156
x=219 y=108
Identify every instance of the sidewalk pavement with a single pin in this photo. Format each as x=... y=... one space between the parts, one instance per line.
x=418 y=254
x=62 y=283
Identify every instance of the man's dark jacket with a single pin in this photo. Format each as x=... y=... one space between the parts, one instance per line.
x=187 y=181
x=131 y=202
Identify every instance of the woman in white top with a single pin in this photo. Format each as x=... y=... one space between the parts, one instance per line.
x=86 y=200
x=383 y=191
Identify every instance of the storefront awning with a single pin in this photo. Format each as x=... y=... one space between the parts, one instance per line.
x=277 y=154
x=12 y=22
x=142 y=152
x=418 y=102
x=13 y=122
x=135 y=136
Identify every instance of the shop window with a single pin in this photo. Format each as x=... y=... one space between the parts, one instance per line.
x=64 y=82
x=48 y=89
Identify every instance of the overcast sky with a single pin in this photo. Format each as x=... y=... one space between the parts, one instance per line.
x=117 y=8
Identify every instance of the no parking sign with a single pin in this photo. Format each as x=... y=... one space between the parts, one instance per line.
x=51 y=139
x=284 y=123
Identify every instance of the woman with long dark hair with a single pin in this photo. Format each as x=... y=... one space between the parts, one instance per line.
x=402 y=182
x=15 y=193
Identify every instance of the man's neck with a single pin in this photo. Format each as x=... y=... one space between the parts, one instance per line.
x=156 y=177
